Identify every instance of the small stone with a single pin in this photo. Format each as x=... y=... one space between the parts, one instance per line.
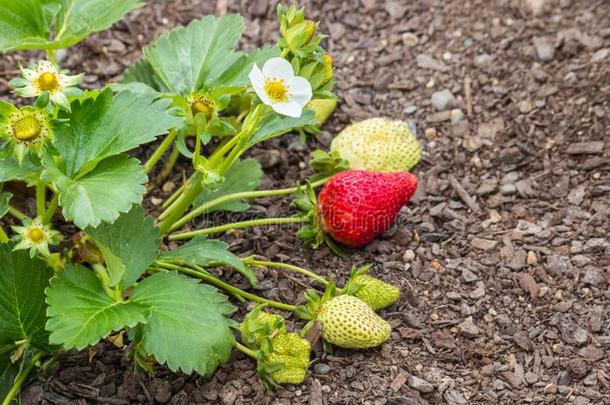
x=580 y=260
x=408 y=256
x=531 y=378
x=116 y=46
x=478 y=292
x=483 y=244
x=469 y=329
x=410 y=109
x=456 y=116
x=544 y=48
x=442 y=99
x=523 y=341
x=427 y=62
x=571 y=332
x=570 y=77
x=482 y=59
x=594 y=277
x=398 y=382
x=430 y=133
x=468 y=276
x=532 y=259
x=409 y=39
x=420 y=385
x=525 y=106
x=535 y=7
x=550 y=389
x=600 y=55
x=321 y=369
x=508 y=189
x=528 y=284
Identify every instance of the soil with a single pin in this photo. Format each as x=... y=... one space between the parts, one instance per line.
x=503 y=255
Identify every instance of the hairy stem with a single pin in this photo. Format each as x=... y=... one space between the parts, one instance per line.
x=51 y=209
x=16 y=213
x=41 y=192
x=161 y=149
x=170 y=163
x=208 y=278
x=286 y=266
x=204 y=208
x=23 y=374
x=245 y=350
x=191 y=191
x=238 y=225
x=172 y=198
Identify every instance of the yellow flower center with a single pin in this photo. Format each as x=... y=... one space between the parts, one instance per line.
x=276 y=90
x=203 y=105
x=27 y=129
x=36 y=235
x=47 y=82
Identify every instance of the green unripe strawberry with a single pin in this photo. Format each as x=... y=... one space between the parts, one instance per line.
x=349 y=322
x=378 y=145
x=292 y=352
x=375 y=293
x=258 y=325
x=323 y=108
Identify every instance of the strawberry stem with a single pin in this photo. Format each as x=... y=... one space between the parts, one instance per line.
x=286 y=266
x=245 y=350
x=161 y=149
x=210 y=279
x=206 y=207
x=238 y=225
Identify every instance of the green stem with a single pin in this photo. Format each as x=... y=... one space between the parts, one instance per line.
x=285 y=52
x=227 y=287
x=104 y=276
x=171 y=162
x=245 y=350
x=191 y=191
x=51 y=209
x=23 y=374
x=16 y=213
x=172 y=198
x=286 y=266
x=204 y=208
x=167 y=142
x=41 y=191
x=51 y=56
x=238 y=225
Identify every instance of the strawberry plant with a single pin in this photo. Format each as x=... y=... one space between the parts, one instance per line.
x=89 y=262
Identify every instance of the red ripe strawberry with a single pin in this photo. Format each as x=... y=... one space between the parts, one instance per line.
x=356 y=206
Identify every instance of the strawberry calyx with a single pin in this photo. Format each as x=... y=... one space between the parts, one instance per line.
x=259 y=325
x=311 y=310
x=352 y=286
x=325 y=164
x=313 y=233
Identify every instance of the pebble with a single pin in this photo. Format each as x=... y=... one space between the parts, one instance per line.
x=469 y=329
x=593 y=276
x=321 y=369
x=544 y=49
x=420 y=384
x=525 y=106
x=410 y=109
x=408 y=256
x=409 y=39
x=508 y=189
x=532 y=259
x=550 y=388
x=531 y=378
x=468 y=276
x=430 y=133
x=478 y=292
x=427 y=62
x=600 y=55
x=456 y=116
x=483 y=244
x=442 y=99
x=482 y=59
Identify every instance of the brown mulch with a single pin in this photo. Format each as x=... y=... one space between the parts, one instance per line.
x=503 y=256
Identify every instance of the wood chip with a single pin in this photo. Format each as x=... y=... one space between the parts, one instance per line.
x=528 y=284
x=474 y=207
x=398 y=382
x=586 y=148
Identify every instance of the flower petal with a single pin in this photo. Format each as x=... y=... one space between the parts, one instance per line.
x=28 y=74
x=46 y=66
x=68 y=81
x=278 y=68
x=257 y=79
x=300 y=90
x=27 y=91
x=289 y=108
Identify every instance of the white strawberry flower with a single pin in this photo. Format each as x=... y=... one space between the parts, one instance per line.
x=46 y=77
x=277 y=86
x=35 y=236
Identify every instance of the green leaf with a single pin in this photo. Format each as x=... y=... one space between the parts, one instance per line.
x=112 y=187
x=81 y=313
x=274 y=125
x=80 y=18
x=237 y=74
x=244 y=175
x=142 y=72
x=129 y=245
x=26 y=24
x=10 y=170
x=108 y=125
x=188 y=326
x=4 y=200
x=187 y=58
x=22 y=25
x=201 y=252
x=22 y=300
x=8 y=373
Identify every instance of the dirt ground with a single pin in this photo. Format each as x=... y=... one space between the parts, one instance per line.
x=503 y=256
